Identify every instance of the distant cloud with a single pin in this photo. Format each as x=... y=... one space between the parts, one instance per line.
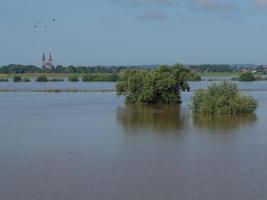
x=154 y=16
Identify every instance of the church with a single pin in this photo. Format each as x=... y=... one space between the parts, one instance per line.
x=47 y=63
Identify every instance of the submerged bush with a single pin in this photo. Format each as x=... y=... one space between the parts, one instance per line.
x=222 y=98
x=4 y=80
x=247 y=76
x=158 y=86
x=17 y=78
x=73 y=78
x=26 y=80
x=56 y=80
x=41 y=78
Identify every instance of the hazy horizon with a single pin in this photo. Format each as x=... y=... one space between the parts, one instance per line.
x=133 y=32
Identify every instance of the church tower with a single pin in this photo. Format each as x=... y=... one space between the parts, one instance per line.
x=43 y=61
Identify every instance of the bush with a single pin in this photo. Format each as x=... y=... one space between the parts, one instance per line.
x=26 y=80
x=247 y=76
x=222 y=98
x=88 y=78
x=158 y=86
x=41 y=78
x=17 y=78
x=73 y=78
x=4 y=80
x=56 y=80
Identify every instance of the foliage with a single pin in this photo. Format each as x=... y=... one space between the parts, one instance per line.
x=211 y=68
x=73 y=78
x=17 y=78
x=41 y=78
x=100 y=77
x=56 y=80
x=222 y=98
x=26 y=80
x=247 y=76
x=193 y=77
x=158 y=86
x=4 y=80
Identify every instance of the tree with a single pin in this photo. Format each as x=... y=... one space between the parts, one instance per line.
x=247 y=76
x=222 y=98
x=41 y=78
x=158 y=86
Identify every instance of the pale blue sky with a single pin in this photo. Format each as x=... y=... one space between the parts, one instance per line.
x=122 y=32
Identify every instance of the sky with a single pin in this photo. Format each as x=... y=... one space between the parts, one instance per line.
x=133 y=32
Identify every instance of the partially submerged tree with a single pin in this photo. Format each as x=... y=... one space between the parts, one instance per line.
x=158 y=86
x=222 y=98
x=246 y=76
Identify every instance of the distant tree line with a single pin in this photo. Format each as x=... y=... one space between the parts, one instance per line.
x=211 y=68
x=20 y=69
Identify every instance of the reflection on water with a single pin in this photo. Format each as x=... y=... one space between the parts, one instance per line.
x=223 y=122
x=153 y=117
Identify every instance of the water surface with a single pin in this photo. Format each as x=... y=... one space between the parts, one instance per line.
x=92 y=146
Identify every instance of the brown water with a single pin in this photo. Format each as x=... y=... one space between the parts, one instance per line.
x=92 y=146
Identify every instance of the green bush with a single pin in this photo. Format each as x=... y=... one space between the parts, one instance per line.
x=56 y=80
x=222 y=98
x=73 y=78
x=26 y=80
x=158 y=86
x=88 y=78
x=41 y=78
x=4 y=80
x=247 y=76
x=17 y=78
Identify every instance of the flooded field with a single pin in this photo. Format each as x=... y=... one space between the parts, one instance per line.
x=66 y=146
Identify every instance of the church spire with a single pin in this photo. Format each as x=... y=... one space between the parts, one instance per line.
x=50 y=57
x=43 y=59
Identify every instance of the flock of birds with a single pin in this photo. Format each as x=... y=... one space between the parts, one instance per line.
x=44 y=26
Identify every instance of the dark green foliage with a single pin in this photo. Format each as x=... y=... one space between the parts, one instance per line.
x=247 y=76
x=41 y=78
x=158 y=86
x=211 y=68
x=193 y=77
x=100 y=77
x=222 y=98
x=26 y=80
x=4 y=80
x=56 y=80
x=73 y=78
x=17 y=79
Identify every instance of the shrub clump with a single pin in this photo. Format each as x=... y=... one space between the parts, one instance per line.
x=247 y=76
x=158 y=86
x=73 y=78
x=4 y=80
x=222 y=98
x=41 y=78
x=17 y=78
x=56 y=80
x=26 y=80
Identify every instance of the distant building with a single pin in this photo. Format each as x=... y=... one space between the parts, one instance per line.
x=47 y=63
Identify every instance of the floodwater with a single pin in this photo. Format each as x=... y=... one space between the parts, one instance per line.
x=66 y=146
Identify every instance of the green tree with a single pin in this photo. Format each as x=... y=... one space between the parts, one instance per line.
x=158 y=86
x=41 y=78
x=247 y=76
x=17 y=78
x=222 y=98
x=73 y=78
